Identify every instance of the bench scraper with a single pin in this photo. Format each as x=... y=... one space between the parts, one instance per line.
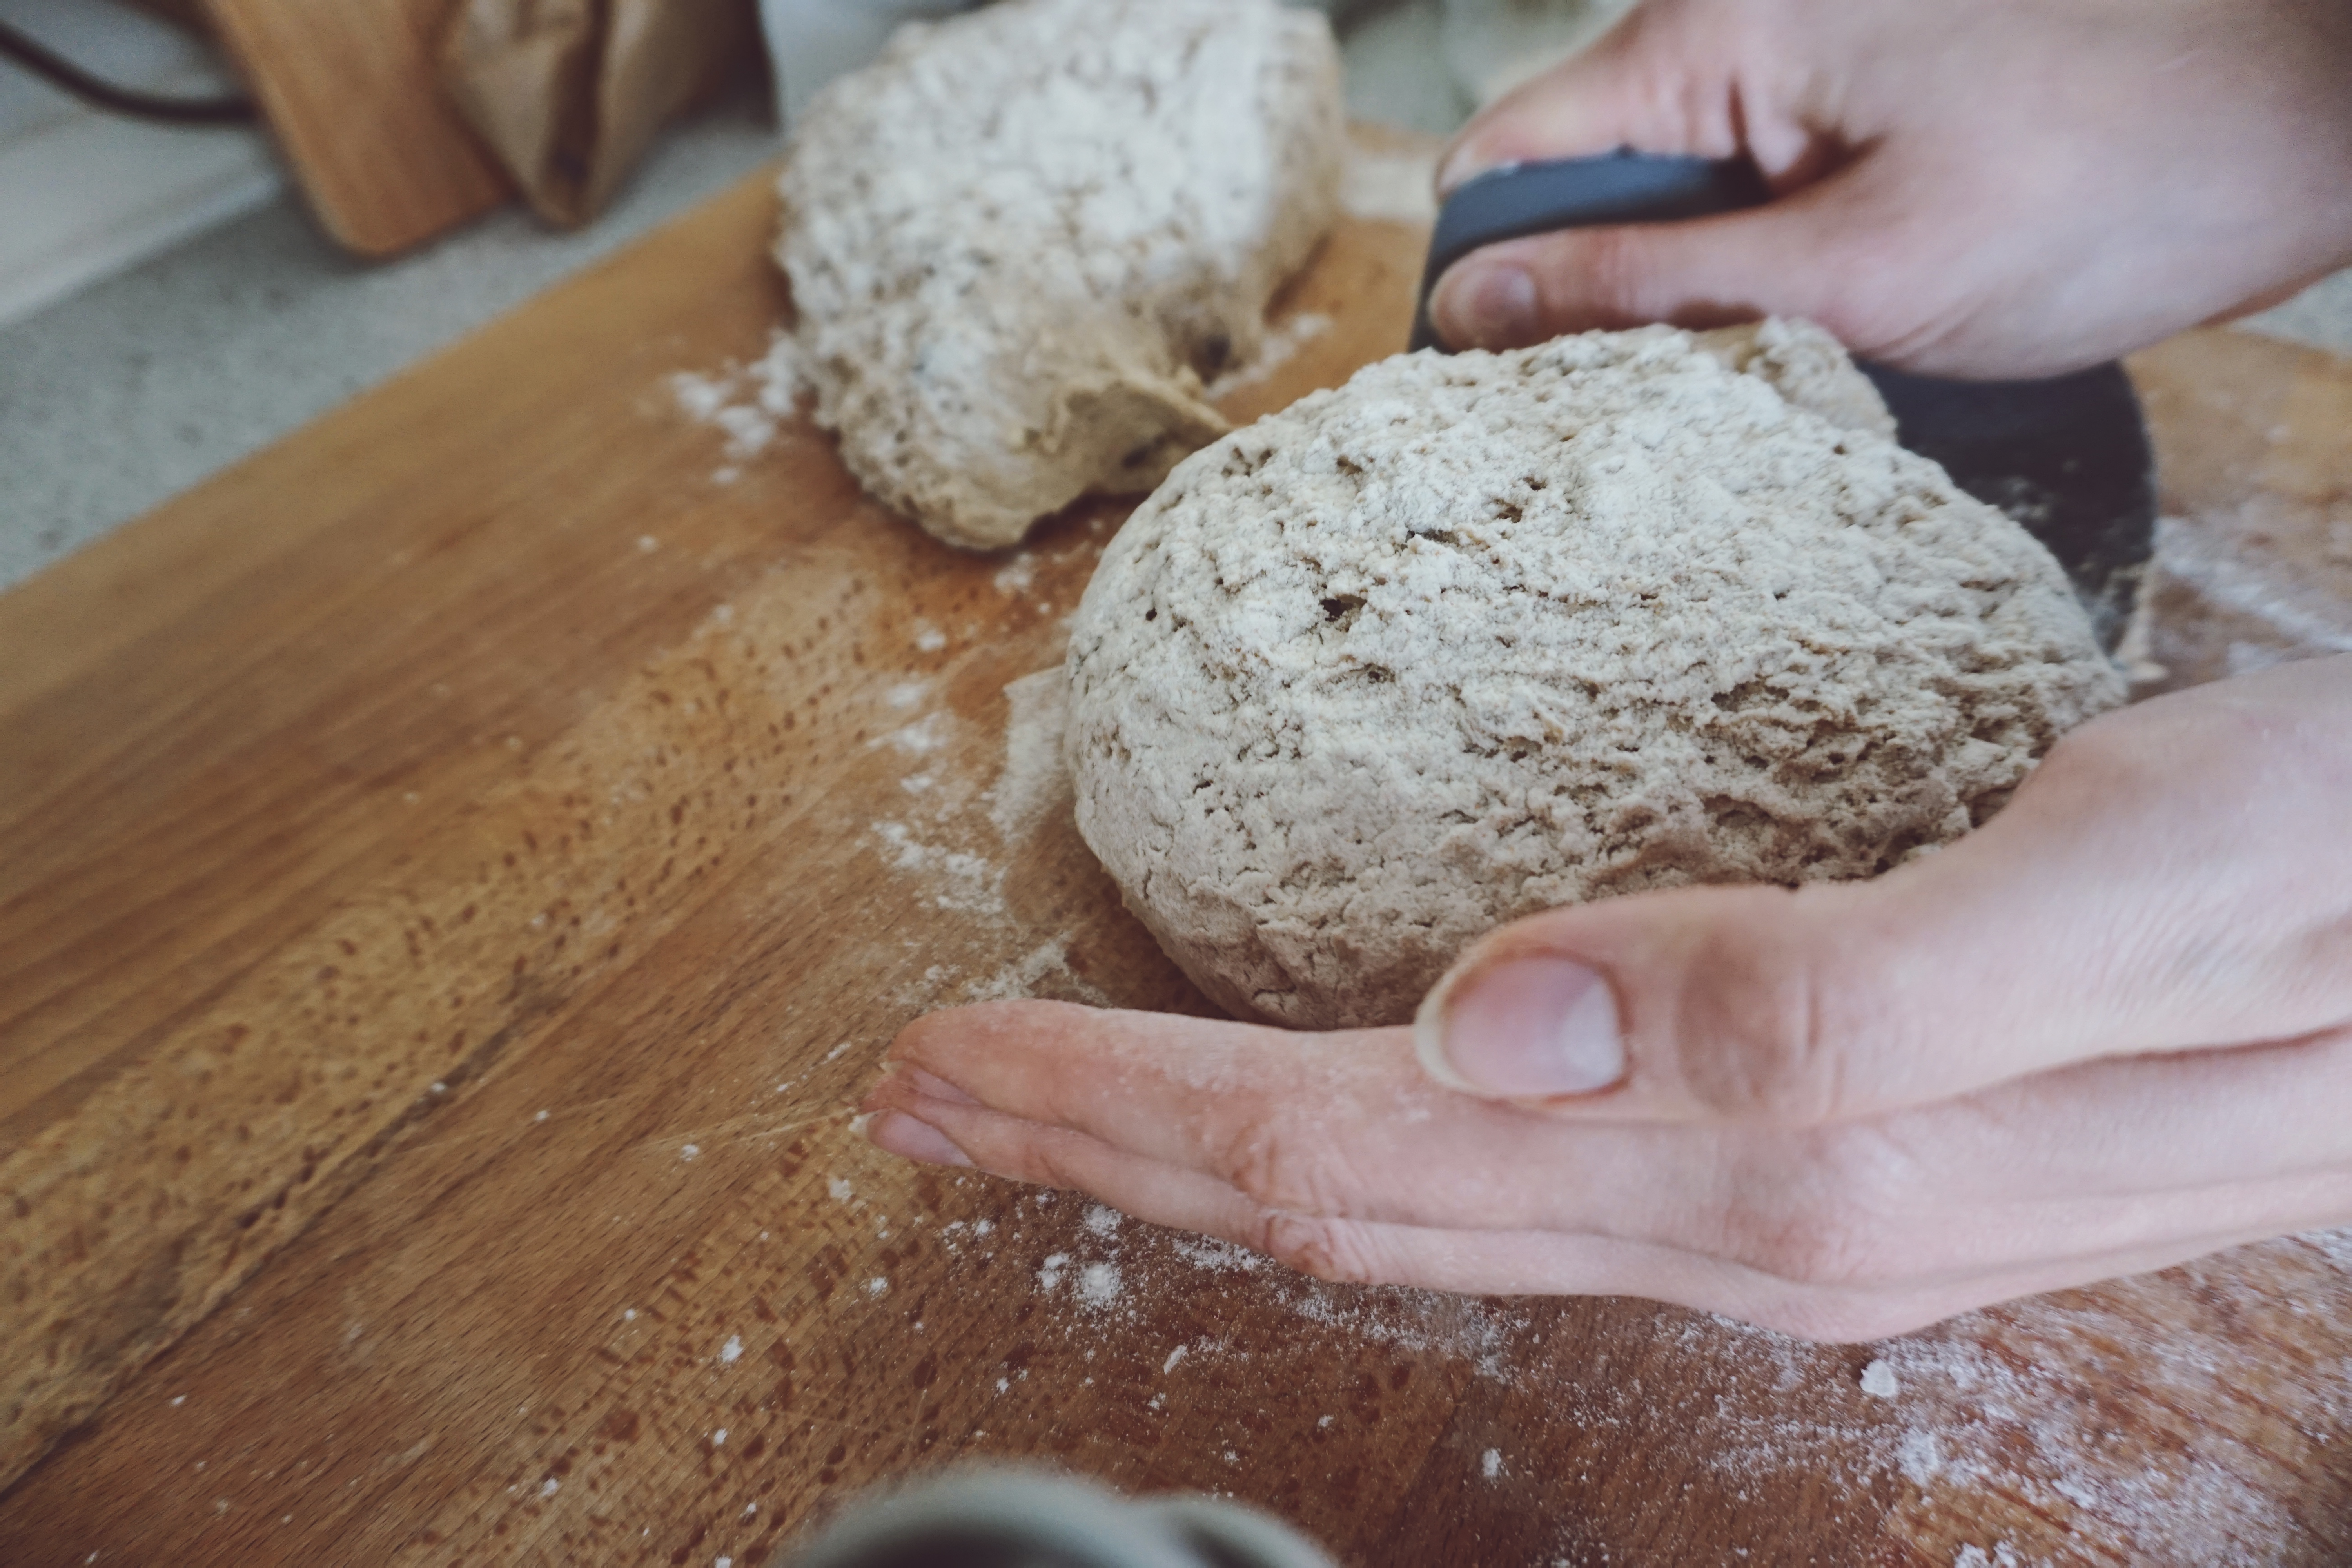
x=2067 y=457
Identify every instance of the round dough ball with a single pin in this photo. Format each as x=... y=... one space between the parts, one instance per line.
x=1475 y=636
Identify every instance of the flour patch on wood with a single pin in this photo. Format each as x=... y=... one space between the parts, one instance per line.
x=2335 y=1246
x=959 y=881
x=747 y=403
x=1208 y=1252
x=2073 y=1408
x=2240 y=590
x=1099 y=1285
x=1017 y=574
x=1032 y=781
x=2082 y=1411
x=957 y=846
x=1028 y=975
x=922 y=737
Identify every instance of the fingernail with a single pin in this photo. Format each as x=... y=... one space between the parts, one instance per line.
x=895 y=1133
x=1522 y=1028
x=1490 y=303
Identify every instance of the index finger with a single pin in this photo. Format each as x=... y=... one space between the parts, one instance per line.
x=1660 y=81
x=1342 y=1125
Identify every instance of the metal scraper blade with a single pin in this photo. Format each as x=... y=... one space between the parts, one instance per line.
x=2067 y=457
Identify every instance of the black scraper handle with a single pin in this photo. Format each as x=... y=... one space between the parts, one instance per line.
x=1514 y=200
x=2067 y=457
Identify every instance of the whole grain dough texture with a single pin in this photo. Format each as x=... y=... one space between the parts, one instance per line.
x=1021 y=240
x=1472 y=637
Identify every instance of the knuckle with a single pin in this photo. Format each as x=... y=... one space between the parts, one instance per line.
x=1780 y=1022
x=1754 y=1015
x=1844 y=1221
x=920 y=1037
x=1332 y=1250
x=1855 y=254
x=1279 y=1170
x=1818 y=1246
x=1042 y=1161
x=955 y=1033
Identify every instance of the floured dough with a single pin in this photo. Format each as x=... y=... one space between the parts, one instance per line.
x=1021 y=240
x=1805 y=366
x=1475 y=636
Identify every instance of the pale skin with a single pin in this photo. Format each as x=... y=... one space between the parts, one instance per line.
x=1998 y=188
x=2109 y=1031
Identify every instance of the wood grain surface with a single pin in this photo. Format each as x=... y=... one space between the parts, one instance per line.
x=458 y=868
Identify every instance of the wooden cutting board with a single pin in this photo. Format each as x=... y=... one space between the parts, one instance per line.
x=458 y=868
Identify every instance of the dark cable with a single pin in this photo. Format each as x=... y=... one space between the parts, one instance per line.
x=55 y=68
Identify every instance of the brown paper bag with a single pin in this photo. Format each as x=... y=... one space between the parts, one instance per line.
x=568 y=93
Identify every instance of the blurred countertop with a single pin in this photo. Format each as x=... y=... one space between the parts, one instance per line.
x=139 y=386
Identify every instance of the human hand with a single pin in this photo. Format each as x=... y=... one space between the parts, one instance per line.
x=1960 y=189
x=2108 y=1032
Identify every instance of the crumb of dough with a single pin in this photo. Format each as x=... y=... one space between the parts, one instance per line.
x=1475 y=636
x=1023 y=241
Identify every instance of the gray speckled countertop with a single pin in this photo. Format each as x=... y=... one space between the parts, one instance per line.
x=118 y=398
x=124 y=395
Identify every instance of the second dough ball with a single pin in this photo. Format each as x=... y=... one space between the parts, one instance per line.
x=1472 y=636
x=1020 y=240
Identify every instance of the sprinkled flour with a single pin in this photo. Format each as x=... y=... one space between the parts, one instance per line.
x=747 y=403
x=1032 y=780
x=2117 y=1415
x=2236 y=591
x=958 y=844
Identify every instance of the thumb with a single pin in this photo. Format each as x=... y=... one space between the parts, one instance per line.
x=2128 y=901
x=1674 y=77
x=1801 y=255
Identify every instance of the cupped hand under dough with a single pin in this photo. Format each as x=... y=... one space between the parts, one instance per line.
x=2109 y=1032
